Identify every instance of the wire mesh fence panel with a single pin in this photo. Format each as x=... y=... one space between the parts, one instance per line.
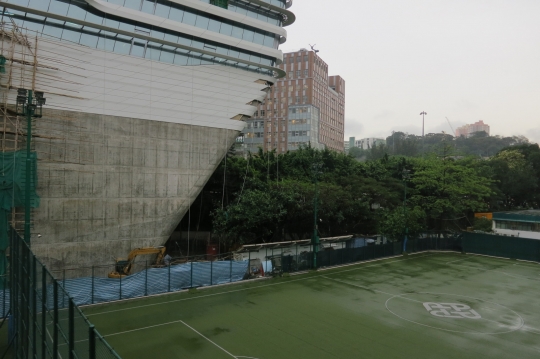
x=81 y=333
x=103 y=349
x=44 y=321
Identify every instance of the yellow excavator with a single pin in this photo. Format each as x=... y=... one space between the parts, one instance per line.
x=122 y=266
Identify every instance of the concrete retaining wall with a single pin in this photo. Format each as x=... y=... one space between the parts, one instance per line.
x=111 y=184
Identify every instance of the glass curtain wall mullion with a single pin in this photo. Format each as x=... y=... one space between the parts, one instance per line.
x=55 y=28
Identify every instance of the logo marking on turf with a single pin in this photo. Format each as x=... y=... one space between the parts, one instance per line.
x=451 y=310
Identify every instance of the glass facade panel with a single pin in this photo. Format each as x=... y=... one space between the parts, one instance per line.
x=256 y=12
x=162 y=10
x=122 y=45
x=193 y=17
x=148 y=6
x=94 y=37
x=214 y=25
x=181 y=16
x=20 y=2
x=132 y=4
x=57 y=7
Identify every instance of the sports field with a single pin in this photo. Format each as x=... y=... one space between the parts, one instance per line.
x=428 y=305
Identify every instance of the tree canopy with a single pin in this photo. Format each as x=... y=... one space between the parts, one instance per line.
x=269 y=197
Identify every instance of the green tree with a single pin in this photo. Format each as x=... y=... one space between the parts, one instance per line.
x=392 y=223
x=447 y=189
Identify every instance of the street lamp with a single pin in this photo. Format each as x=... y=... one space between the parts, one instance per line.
x=316 y=168
x=31 y=107
x=405 y=176
x=423 y=113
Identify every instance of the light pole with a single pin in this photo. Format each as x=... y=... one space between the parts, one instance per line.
x=31 y=108
x=315 y=241
x=423 y=113
x=406 y=176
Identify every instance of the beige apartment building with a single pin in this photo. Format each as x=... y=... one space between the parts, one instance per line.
x=468 y=130
x=305 y=107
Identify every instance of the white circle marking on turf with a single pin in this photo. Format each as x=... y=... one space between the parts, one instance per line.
x=522 y=322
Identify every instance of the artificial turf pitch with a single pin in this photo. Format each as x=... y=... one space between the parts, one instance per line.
x=428 y=305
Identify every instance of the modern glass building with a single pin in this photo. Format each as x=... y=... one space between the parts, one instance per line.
x=157 y=91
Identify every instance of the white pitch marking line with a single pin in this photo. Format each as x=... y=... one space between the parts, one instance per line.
x=169 y=323
x=143 y=328
x=243 y=289
x=208 y=339
x=402 y=296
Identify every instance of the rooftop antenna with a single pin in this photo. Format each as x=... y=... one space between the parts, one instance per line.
x=313 y=48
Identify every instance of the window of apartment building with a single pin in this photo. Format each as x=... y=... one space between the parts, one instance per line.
x=297 y=73
x=262 y=112
x=256 y=114
x=290 y=73
x=306 y=58
x=305 y=72
x=299 y=58
x=291 y=60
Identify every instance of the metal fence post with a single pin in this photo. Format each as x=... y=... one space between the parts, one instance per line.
x=91 y=342
x=120 y=286
x=169 y=279
x=230 y=271
x=14 y=302
x=43 y=312
x=71 y=336
x=297 y=259
x=92 y=294
x=191 y=274
x=211 y=272
x=55 y=321
x=64 y=286
x=146 y=279
x=34 y=306
x=25 y=299
x=4 y=286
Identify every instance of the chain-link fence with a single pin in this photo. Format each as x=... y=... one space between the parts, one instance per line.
x=43 y=320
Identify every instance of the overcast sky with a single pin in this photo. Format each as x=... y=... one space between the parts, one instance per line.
x=467 y=60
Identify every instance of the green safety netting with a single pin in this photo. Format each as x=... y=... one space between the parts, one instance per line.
x=12 y=192
x=221 y=3
x=2 y=64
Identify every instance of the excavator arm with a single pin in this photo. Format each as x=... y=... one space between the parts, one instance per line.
x=123 y=266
